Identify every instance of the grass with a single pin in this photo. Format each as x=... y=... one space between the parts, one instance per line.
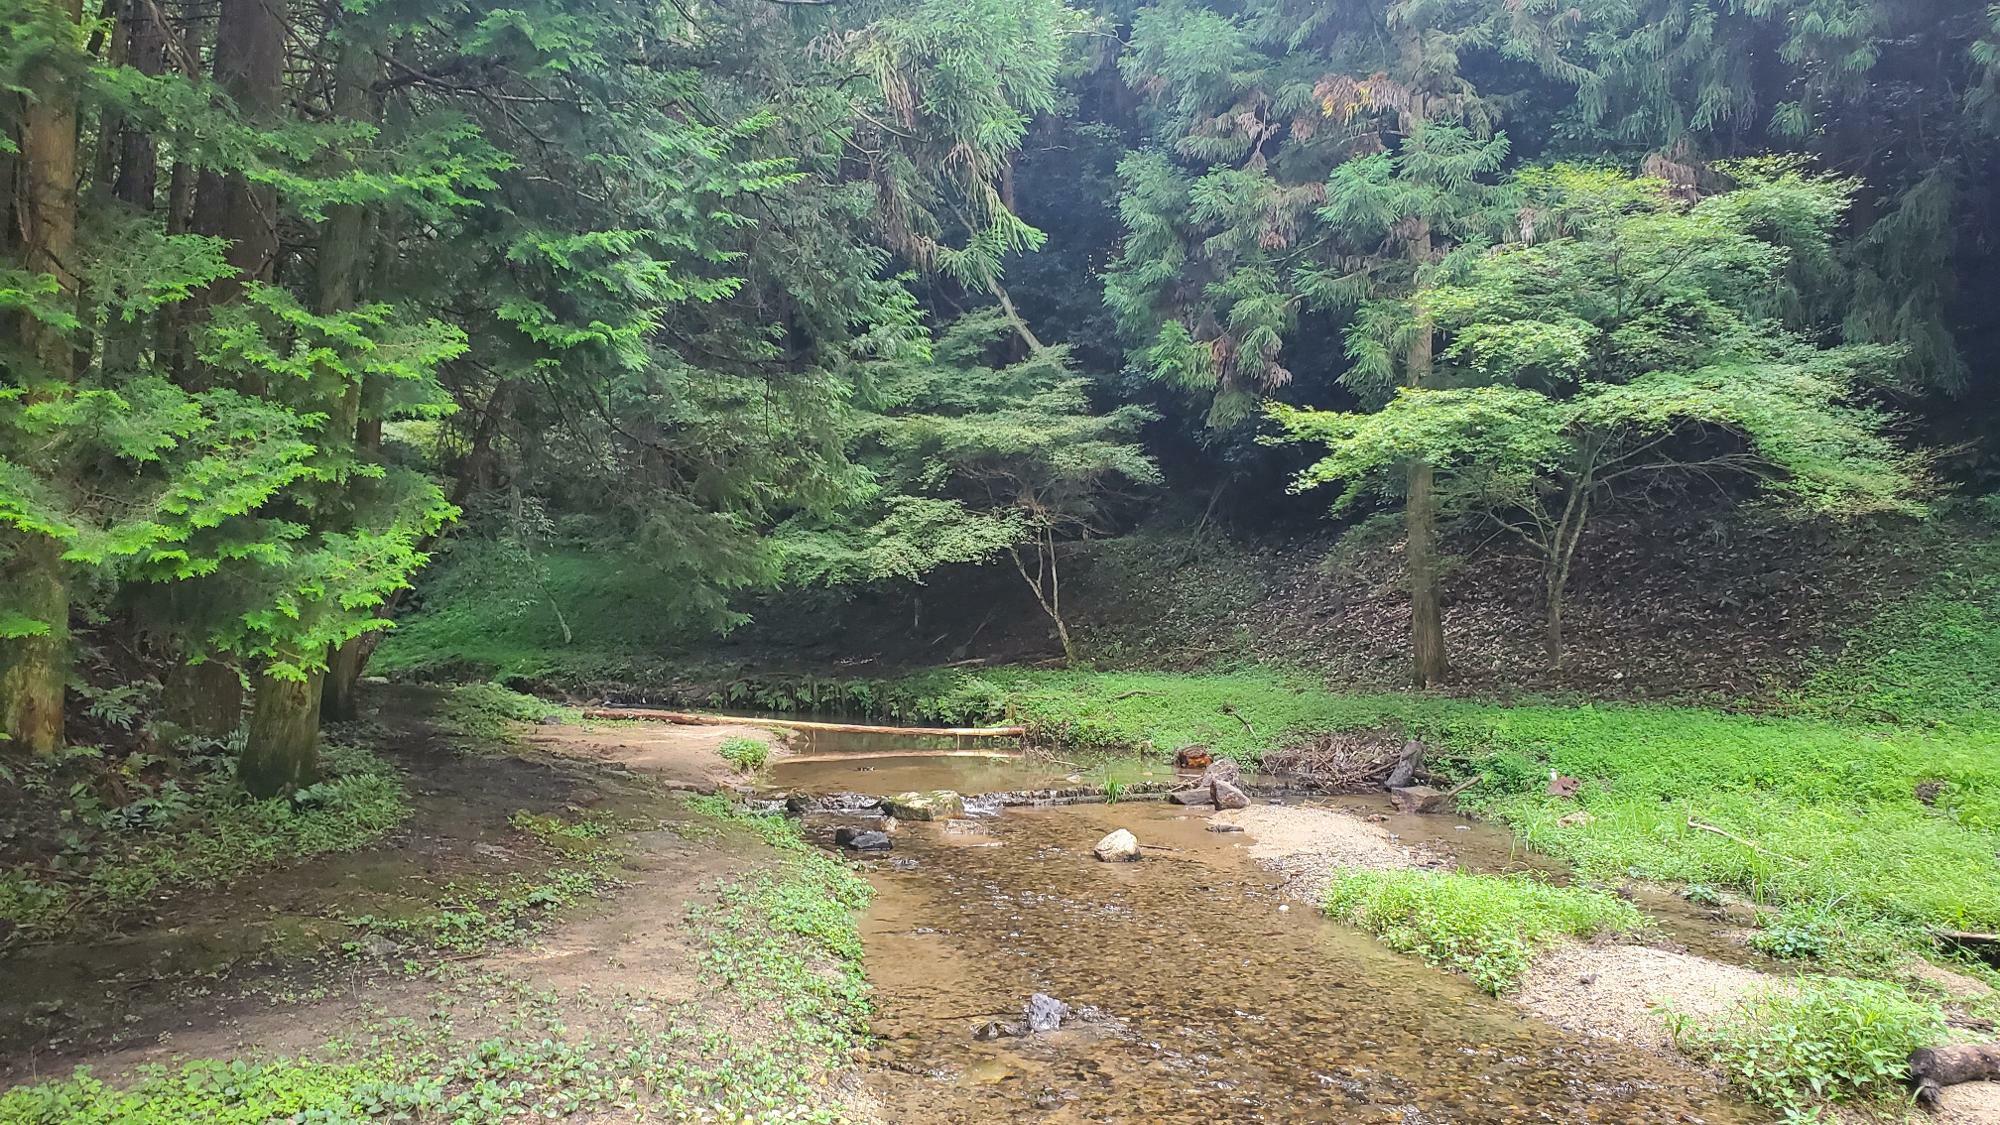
x=1485 y=927
x=1802 y=1043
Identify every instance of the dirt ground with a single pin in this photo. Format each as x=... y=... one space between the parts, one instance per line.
x=677 y=757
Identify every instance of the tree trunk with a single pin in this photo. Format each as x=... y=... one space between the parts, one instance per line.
x=249 y=61
x=206 y=700
x=1427 y=654
x=342 y=681
x=136 y=182
x=1552 y=627
x=282 y=751
x=33 y=670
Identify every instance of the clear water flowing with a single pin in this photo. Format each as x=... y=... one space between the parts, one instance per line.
x=1212 y=1004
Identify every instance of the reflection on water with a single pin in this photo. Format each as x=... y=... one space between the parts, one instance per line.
x=879 y=775
x=1217 y=1006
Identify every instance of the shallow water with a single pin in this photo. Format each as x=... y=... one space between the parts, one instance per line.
x=1215 y=1005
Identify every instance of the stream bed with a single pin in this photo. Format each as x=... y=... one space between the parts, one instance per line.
x=1198 y=998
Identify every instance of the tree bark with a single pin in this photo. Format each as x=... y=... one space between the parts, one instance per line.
x=249 y=61
x=1932 y=1068
x=344 y=246
x=281 y=753
x=33 y=669
x=205 y=699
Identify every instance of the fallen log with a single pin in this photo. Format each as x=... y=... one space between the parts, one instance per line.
x=692 y=718
x=1933 y=1068
x=1986 y=947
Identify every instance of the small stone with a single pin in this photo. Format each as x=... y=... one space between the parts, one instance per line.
x=1284 y=908
x=1575 y=820
x=1227 y=796
x=1044 y=1012
x=961 y=827
x=994 y=1029
x=1225 y=826
x=1119 y=847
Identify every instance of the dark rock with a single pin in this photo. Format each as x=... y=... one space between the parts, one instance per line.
x=1928 y=792
x=1191 y=797
x=550 y=720
x=994 y=1029
x=1225 y=826
x=847 y=803
x=863 y=841
x=1227 y=796
x=1405 y=769
x=1044 y=1012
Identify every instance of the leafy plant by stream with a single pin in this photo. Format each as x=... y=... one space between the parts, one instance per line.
x=1801 y=1043
x=1485 y=927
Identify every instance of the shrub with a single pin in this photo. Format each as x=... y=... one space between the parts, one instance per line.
x=1817 y=1039
x=1487 y=927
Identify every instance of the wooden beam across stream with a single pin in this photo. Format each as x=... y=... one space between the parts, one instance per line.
x=695 y=718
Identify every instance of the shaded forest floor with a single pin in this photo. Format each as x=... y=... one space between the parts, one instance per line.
x=554 y=928
x=1692 y=606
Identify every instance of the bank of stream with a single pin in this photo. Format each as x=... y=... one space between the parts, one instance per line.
x=1201 y=989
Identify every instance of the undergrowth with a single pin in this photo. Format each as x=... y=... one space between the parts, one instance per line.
x=1487 y=927
x=1798 y=1044
x=189 y=828
x=484 y=715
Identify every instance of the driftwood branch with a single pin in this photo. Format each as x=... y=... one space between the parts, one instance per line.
x=1700 y=827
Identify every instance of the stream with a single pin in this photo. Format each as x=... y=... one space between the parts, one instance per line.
x=1199 y=999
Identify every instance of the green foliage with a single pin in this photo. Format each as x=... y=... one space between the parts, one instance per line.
x=748 y=755
x=1798 y=1044
x=1487 y=927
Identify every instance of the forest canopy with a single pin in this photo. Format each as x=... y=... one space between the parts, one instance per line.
x=303 y=302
